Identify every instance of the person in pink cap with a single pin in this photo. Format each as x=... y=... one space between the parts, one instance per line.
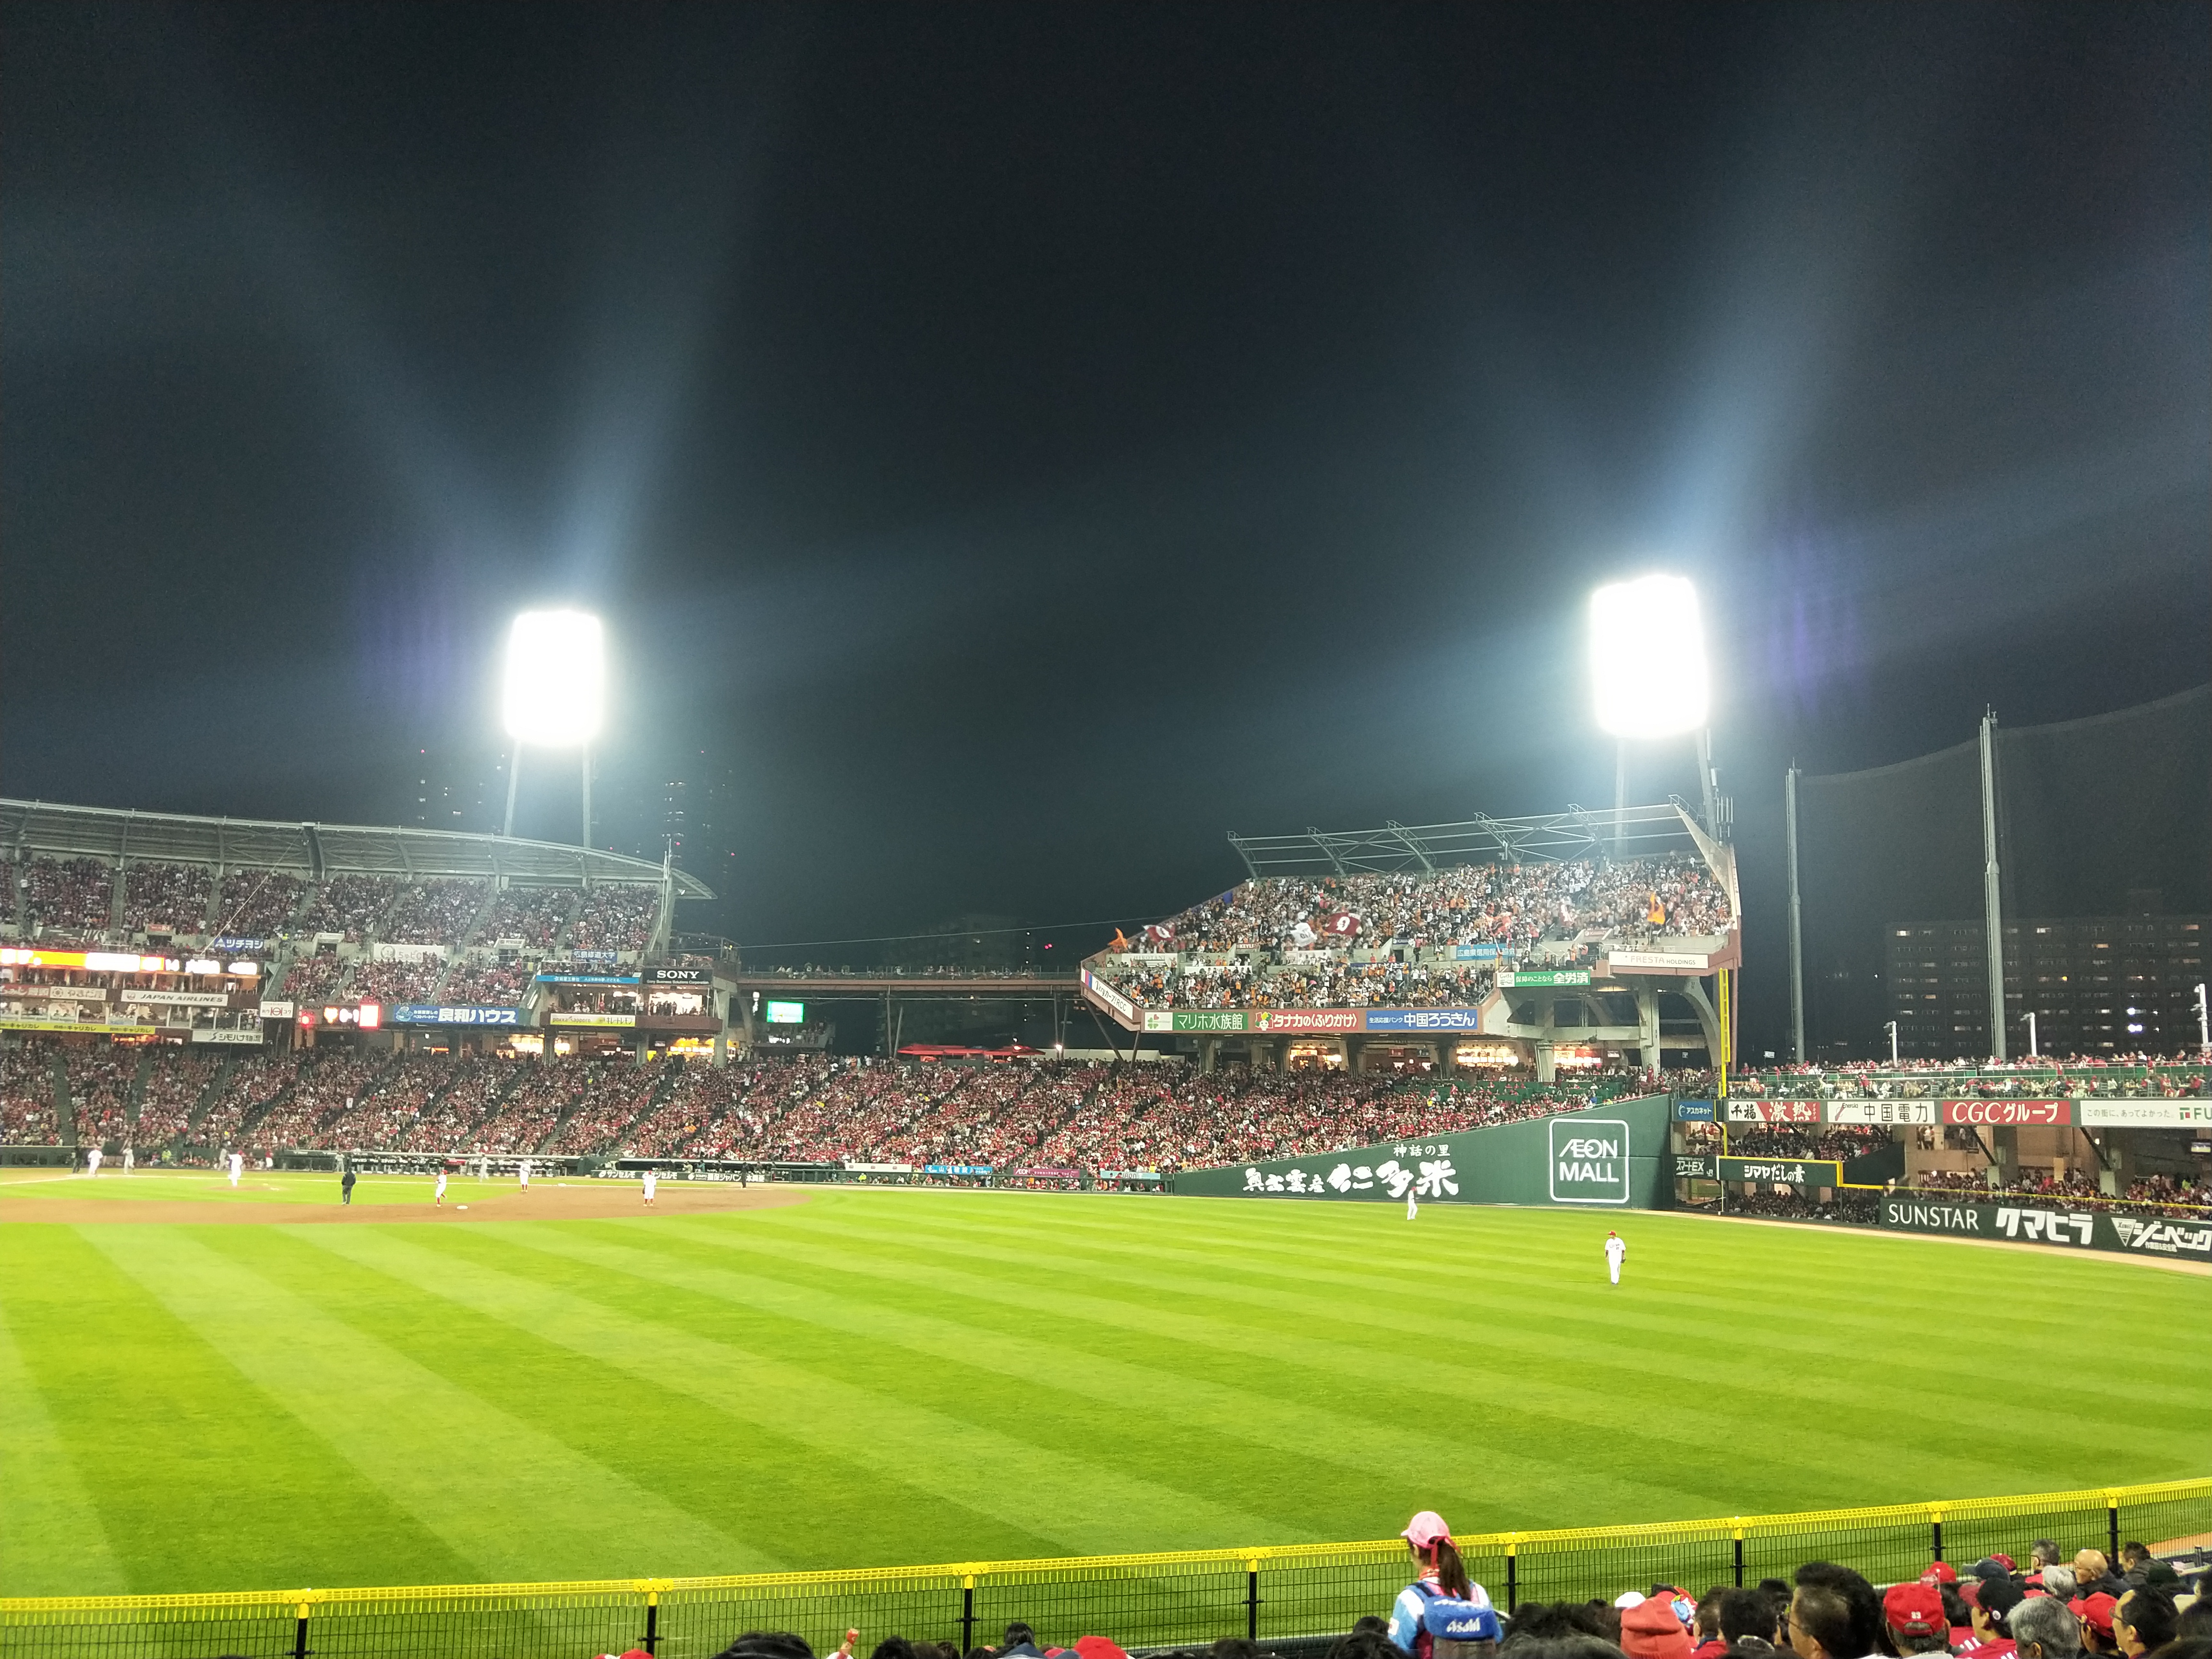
x=1441 y=1573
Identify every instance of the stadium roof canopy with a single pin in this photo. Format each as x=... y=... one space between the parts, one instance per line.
x=1553 y=837
x=41 y=828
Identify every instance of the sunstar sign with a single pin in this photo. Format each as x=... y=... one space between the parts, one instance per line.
x=1589 y=1161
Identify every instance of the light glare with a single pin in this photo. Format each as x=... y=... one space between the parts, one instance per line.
x=555 y=689
x=1648 y=657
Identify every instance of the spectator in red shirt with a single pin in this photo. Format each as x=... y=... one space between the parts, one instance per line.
x=1710 y=1643
x=1993 y=1605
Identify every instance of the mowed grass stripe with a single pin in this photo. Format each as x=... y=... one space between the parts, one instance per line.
x=1069 y=1503
x=1278 y=1448
x=1679 y=1253
x=502 y=1495
x=197 y=1479
x=655 y=1435
x=52 y=1542
x=1580 y=1321
x=1816 y=1395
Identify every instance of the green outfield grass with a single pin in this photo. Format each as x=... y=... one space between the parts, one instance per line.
x=881 y=1376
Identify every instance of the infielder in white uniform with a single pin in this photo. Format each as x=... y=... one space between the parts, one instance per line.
x=92 y=1162
x=127 y=1160
x=237 y=1167
x=525 y=1174
x=651 y=1180
x=1615 y=1248
x=438 y=1198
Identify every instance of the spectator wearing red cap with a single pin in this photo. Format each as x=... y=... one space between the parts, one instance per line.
x=1649 y=1630
x=2095 y=1613
x=1915 y=1615
x=1441 y=1573
x=1939 y=1572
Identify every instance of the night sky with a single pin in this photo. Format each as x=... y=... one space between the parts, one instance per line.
x=1020 y=444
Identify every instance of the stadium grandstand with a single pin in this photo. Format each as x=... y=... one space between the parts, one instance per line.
x=1536 y=942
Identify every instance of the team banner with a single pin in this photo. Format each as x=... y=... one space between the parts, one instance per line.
x=1741 y=1111
x=1791 y=1171
x=2008 y=1113
x=2060 y=1229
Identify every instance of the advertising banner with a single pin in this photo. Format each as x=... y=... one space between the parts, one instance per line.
x=1877 y=1112
x=1306 y=1019
x=1697 y=1166
x=175 y=999
x=957 y=1169
x=1424 y=1019
x=2144 y=1113
x=1791 y=1171
x=701 y=976
x=251 y=1034
x=94 y=1027
x=1589 y=1161
x=1741 y=1111
x=2062 y=1229
x=1618 y=1158
x=1539 y=977
x=1675 y=961
x=1481 y=953
x=432 y=1013
x=56 y=993
x=1195 y=1019
x=1693 y=1111
x=238 y=945
x=1112 y=998
x=393 y=951
x=878 y=1168
x=278 y=1008
x=585 y=1018
x=587 y=979
x=2007 y=1112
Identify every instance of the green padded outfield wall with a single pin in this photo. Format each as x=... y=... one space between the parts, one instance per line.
x=1610 y=1156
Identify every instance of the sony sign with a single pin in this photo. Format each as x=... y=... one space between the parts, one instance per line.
x=1589 y=1161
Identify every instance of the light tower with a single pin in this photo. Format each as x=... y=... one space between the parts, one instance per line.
x=554 y=695
x=1649 y=677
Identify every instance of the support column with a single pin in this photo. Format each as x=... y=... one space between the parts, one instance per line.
x=1992 y=909
x=2005 y=1153
x=1209 y=1053
x=1797 y=922
x=1647 y=1027
x=1547 y=1072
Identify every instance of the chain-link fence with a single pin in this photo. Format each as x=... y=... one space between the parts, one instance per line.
x=1280 y=1596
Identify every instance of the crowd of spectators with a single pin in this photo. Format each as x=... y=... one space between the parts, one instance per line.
x=615 y=916
x=533 y=915
x=1840 y=1142
x=26 y=1096
x=172 y=897
x=1514 y=904
x=349 y=905
x=2072 y=1077
x=390 y=982
x=315 y=977
x=327 y=1086
x=487 y=984
x=433 y=912
x=2171 y=1195
x=68 y=898
x=620 y=1097
x=99 y=1091
x=256 y=904
x=174 y=1085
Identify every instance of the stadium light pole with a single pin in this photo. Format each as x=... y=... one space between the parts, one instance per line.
x=555 y=692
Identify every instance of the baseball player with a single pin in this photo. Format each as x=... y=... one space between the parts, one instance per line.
x=1615 y=1248
x=525 y=1174
x=1412 y=1208
x=651 y=1180
x=438 y=1198
x=92 y=1162
x=128 y=1161
x=237 y=1161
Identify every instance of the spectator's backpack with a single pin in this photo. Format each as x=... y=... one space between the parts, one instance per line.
x=1452 y=1628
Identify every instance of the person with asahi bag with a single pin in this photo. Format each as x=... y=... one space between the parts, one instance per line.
x=1443 y=1613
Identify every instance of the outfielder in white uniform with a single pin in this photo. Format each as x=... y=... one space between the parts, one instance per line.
x=92 y=1162
x=1615 y=1248
x=438 y=1198
x=1413 y=1209
x=525 y=1174
x=237 y=1167
x=651 y=1180
x=128 y=1161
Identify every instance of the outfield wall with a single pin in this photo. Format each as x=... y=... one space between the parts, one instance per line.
x=1608 y=1156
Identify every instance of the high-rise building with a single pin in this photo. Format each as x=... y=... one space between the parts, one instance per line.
x=2104 y=985
x=452 y=791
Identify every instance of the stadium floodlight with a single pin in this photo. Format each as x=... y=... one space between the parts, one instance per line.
x=556 y=678
x=1648 y=657
x=555 y=692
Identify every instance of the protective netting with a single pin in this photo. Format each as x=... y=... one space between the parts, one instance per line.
x=1287 y=1597
x=2104 y=816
